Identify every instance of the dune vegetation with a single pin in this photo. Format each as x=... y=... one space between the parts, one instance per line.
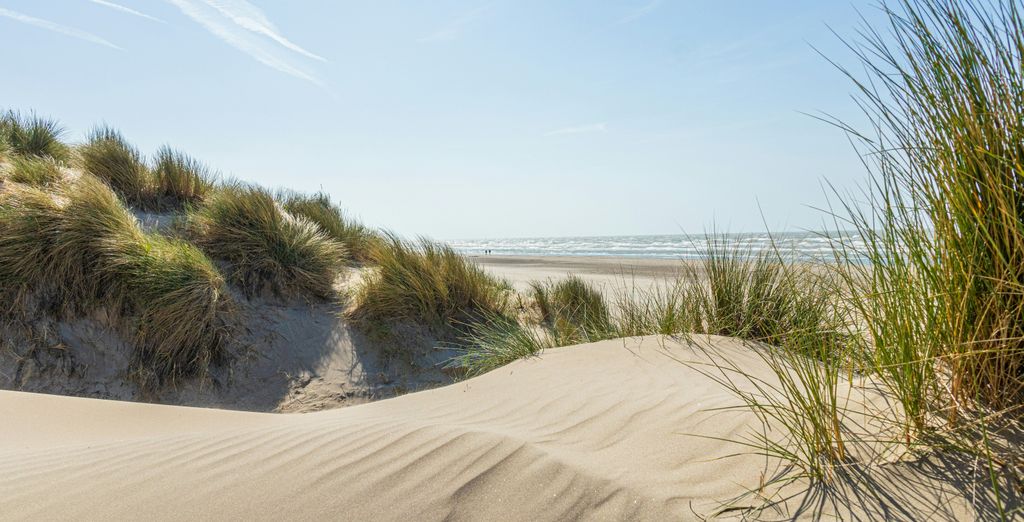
x=936 y=313
x=32 y=135
x=429 y=283
x=71 y=244
x=265 y=246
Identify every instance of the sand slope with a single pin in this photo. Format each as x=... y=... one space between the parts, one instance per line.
x=602 y=431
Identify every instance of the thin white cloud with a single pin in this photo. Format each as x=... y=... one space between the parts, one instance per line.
x=579 y=129
x=124 y=9
x=251 y=18
x=454 y=28
x=640 y=12
x=223 y=26
x=57 y=28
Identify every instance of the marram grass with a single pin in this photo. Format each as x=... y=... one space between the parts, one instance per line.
x=181 y=305
x=78 y=248
x=111 y=159
x=428 y=283
x=35 y=170
x=179 y=180
x=32 y=135
x=573 y=310
x=266 y=246
x=357 y=238
x=943 y=296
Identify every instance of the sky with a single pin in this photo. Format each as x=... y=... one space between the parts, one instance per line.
x=454 y=119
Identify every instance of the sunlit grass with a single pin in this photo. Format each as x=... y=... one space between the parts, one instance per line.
x=32 y=135
x=428 y=283
x=35 y=170
x=111 y=159
x=357 y=238
x=77 y=248
x=178 y=180
x=267 y=248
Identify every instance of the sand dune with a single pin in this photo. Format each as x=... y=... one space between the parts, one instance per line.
x=612 y=430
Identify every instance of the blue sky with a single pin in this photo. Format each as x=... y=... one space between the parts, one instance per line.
x=468 y=119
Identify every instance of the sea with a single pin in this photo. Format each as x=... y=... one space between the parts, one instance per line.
x=809 y=246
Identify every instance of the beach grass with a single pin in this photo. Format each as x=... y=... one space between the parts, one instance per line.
x=178 y=180
x=573 y=310
x=35 y=170
x=428 y=283
x=266 y=247
x=109 y=157
x=357 y=238
x=943 y=295
x=33 y=135
x=181 y=308
x=497 y=341
x=661 y=310
x=79 y=249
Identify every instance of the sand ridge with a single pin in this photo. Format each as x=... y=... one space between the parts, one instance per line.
x=612 y=430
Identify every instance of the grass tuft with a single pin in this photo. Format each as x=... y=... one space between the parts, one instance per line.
x=35 y=170
x=943 y=296
x=266 y=246
x=497 y=341
x=181 y=304
x=573 y=310
x=179 y=180
x=111 y=159
x=33 y=135
x=357 y=238
x=428 y=283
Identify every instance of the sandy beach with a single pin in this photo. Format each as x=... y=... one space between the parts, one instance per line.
x=610 y=273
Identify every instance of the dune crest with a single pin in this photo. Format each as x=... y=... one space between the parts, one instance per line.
x=612 y=430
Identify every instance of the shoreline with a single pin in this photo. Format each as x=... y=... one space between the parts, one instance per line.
x=608 y=272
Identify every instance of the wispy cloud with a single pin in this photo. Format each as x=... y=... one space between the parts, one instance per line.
x=250 y=18
x=640 y=12
x=57 y=28
x=244 y=27
x=453 y=29
x=579 y=129
x=124 y=9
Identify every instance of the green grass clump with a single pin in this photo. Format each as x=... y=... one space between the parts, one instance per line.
x=33 y=136
x=943 y=296
x=35 y=170
x=179 y=180
x=427 y=283
x=763 y=297
x=574 y=310
x=30 y=221
x=180 y=300
x=78 y=248
x=266 y=246
x=660 y=310
x=111 y=159
x=357 y=238
x=497 y=341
